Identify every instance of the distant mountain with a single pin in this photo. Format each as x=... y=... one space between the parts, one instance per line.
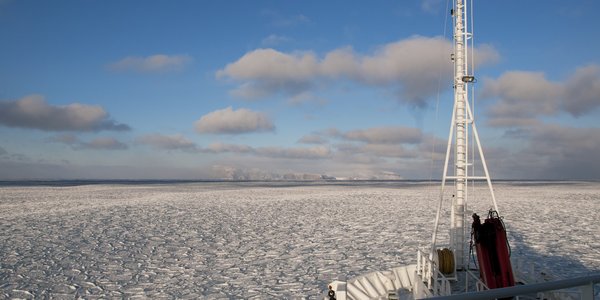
x=233 y=173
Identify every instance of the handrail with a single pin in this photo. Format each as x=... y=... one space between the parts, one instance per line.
x=526 y=289
x=434 y=280
x=442 y=284
x=479 y=285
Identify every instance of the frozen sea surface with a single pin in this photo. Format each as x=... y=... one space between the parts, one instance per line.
x=232 y=240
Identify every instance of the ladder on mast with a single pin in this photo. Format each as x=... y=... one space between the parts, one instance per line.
x=462 y=128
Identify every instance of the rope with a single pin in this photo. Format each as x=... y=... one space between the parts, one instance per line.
x=445 y=261
x=471 y=252
x=472 y=94
x=437 y=100
x=506 y=237
x=439 y=209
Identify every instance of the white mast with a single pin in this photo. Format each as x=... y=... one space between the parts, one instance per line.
x=461 y=128
x=461 y=123
x=457 y=230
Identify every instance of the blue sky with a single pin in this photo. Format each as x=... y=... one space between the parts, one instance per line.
x=261 y=89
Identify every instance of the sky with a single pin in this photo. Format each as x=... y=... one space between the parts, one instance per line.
x=94 y=89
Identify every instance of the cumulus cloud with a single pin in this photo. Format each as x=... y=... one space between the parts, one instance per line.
x=230 y=121
x=554 y=151
x=272 y=65
x=375 y=135
x=267 y=71
x=373 y=144
x=33 y=112
x=553 y=139
x=524 y=96
x=152 y=63
x=411 y=66
x=582 y=91
x=99 y=143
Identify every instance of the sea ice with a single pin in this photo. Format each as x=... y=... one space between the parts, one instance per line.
x=231 y=240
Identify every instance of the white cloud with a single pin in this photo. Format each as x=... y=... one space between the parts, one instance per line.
x=99 y=143
x=168 y=142
x=553 y=151
x=373 y=144
x=375 y=135
x=179 y=142
x=68 y=139
x=433 y=147
x=280 y=20
x=229 y=121
x=270 y=64
x=412 y=66
x=385 y=135
x=105 y=143
x=377 y=150
x=33 y=112
x=223 y=148
x=274 y=40
x=582 y=91
x=306 y=98
x=152 y=63
x=387 y=150
x=268 y=71
x=312 y=139
x=318 y=152
x=432 y=6
x=524 y=96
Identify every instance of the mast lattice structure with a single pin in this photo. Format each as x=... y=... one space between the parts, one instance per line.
x=462 y=130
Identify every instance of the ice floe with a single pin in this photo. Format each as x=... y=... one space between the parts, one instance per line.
x=228 y=240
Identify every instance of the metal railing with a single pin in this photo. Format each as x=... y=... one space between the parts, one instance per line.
x=479 y=285
x=435 y=281
x=585 y=285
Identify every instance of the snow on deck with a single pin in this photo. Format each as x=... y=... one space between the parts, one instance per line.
x=227 y=240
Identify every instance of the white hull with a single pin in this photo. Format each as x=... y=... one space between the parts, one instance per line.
x=378 y=285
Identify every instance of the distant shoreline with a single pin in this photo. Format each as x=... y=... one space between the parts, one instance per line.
x=270 y=183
